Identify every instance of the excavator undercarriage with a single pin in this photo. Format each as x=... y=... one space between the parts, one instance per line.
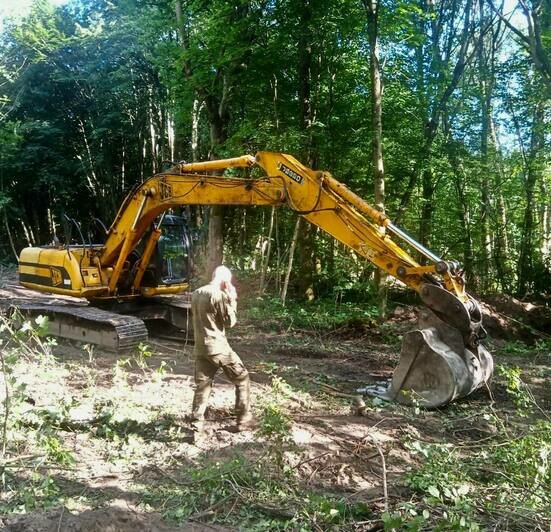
x=133 y=276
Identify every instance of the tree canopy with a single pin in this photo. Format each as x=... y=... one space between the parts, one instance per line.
x=95 y=96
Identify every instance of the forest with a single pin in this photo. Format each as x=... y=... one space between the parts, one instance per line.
x=96 y=96
x=436 y=112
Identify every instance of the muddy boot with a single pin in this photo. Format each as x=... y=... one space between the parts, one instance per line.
x=245 y=422
x=197 y=425
x=197 y=430
x=243 y=402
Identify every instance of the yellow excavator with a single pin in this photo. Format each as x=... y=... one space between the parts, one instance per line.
x=140 y=269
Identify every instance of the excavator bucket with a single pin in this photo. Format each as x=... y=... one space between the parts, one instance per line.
x=443 y=359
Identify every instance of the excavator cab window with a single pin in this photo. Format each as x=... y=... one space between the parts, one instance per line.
x=174 y=251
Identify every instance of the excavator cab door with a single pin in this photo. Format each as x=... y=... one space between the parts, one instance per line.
x=174 y=253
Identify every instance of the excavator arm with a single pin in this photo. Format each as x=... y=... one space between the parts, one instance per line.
x=440 y=361
x=317 y=196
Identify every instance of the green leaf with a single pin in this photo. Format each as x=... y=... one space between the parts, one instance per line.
x=42 y=321
x=433 y=490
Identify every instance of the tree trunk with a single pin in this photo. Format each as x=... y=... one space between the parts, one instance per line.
x=465 y=218
x=501 y=243
x=152 y=133
x=195 y=114
x=10 y=237
x=306 y=246
x=527 y=245
x=463 y=210
x=215 y=251
x=372 y=11
x=170 y=135
x=485 y=207
x=306 y=257
x=215 y=240
x=487 y=149
x=266 y=259
x=278 y=255
x=290 y=264
x=242 y=238
x=545 y=209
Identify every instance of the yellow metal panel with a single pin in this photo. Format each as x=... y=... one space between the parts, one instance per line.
x=91 y=277
x=58 y=271
x=84 y=292
x=159 y=290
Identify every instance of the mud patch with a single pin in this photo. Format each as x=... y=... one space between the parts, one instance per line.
x=115 y=518
x=510 y=318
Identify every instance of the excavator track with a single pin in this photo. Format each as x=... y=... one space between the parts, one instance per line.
x=108 y=330
x=114 y=325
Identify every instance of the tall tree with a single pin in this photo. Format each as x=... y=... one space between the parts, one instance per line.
x=532 y=173
x=372 y=11
x=440 y=63
x=535 y=37
x=306 y=231
x=212 y=61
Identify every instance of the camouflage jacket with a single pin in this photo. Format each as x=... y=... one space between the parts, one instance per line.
x=212 y=311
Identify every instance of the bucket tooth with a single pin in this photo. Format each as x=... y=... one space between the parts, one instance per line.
x=436 y=367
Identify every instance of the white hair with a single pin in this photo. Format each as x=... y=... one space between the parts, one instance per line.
x=222 y=273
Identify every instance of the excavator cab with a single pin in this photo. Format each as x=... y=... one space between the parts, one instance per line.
x=174 y=253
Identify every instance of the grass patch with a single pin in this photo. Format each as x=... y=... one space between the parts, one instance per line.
x=505 y=481
x=541 y=348
x=319 y=315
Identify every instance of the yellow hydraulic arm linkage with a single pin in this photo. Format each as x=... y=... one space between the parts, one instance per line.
x=442 y=360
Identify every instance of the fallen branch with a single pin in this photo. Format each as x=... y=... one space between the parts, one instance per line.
x=7 y=461
x=210 y=510
x=213 y=477
x=331 y=390
x=383 y=464
x=275 y=511
x=312 y=459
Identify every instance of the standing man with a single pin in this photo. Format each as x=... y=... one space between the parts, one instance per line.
x=213 y=308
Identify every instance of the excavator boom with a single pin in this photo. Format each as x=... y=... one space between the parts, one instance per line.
x=441 y=361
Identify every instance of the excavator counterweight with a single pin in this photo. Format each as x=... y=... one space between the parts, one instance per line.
x=441 y=361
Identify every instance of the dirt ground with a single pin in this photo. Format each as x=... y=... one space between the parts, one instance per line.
x=340 y=451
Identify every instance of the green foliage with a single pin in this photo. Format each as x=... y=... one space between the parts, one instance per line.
x=25 y=341
x=516 y=388
x=239 y=493
x=19 y=340
x=542 y=347
x=56 y=452
x=275 y=425
x=94 y=97
x=461 y=490
x=39 y=492
x=144 y=353
x=140 y=359
x=320 y=315
x=516 y=348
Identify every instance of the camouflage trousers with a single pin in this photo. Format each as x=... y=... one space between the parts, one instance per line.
x=206 y=367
